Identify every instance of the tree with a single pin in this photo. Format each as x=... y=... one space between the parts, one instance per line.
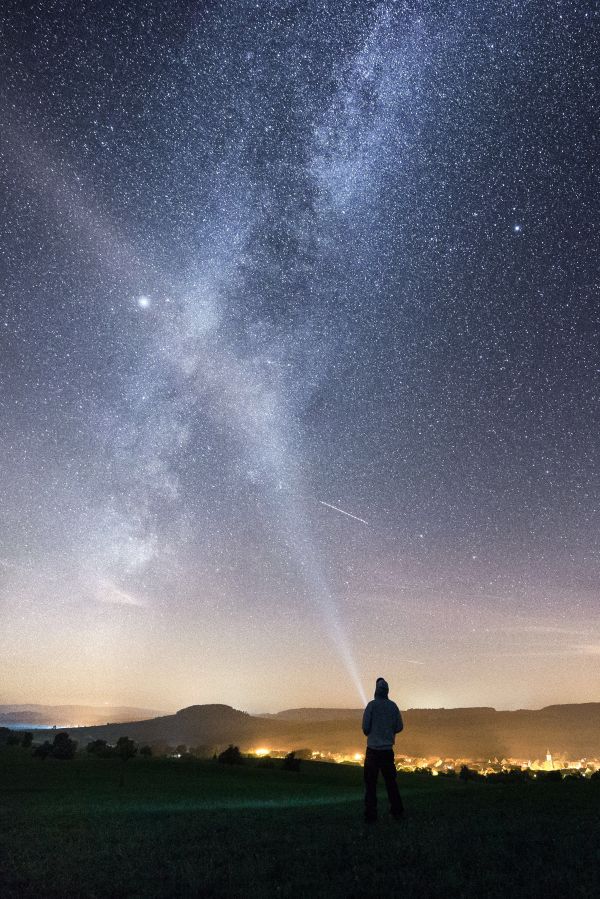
x=304 y=754
x=63 y=746
x=27 y=740
x=146 y=751
x=466 y=773
x=291 y=762
x=181 y=749
x=126 y=749
x=231 y=756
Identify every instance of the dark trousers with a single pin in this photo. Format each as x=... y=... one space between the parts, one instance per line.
x=377 y=760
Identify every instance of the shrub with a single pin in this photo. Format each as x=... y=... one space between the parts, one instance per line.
x=231 y=756
x=551 y=776
x=202 y=751
x=572 y=776
x=291 y=763
x=16 y=738
x=512 y=776
x=99 y=748
x=304 y=754
x=43 y=751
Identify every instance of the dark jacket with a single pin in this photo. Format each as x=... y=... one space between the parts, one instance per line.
x=381 y=721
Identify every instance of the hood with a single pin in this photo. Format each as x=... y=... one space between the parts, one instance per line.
x=381 y=688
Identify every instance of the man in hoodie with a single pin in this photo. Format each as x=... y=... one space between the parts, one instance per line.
x=381 y=722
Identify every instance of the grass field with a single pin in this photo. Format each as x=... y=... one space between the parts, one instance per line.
x=193 y=828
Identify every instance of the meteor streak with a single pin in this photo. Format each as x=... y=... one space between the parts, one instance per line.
x=349 y=514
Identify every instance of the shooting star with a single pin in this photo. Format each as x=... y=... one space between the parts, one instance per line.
x=349 y=514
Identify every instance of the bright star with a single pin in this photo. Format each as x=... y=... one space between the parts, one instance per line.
x=143 y=302
x=516 y=228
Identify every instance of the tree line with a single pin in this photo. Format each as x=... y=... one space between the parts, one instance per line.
x=64 y=747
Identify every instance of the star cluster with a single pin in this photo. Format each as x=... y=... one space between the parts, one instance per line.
x=264 y=261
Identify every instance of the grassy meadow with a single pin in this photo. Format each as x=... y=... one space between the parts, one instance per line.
x=197 y=828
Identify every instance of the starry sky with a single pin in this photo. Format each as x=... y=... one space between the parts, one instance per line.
x=267 y=263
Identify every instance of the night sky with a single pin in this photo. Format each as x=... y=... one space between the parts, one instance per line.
x=263 y=259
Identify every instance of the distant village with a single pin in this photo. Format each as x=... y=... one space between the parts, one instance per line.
x=584 y=767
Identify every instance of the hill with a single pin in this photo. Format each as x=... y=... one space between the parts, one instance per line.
x=469 y=732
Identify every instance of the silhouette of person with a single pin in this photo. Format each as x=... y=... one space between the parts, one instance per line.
x=381 y=722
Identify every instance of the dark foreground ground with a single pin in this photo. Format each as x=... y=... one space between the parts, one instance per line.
x=179 y=828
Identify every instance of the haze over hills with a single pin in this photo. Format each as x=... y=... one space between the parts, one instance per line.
x=456 y=733
x=308 y=714
x=71 y=715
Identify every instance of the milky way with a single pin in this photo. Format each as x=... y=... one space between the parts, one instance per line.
x=264 y=262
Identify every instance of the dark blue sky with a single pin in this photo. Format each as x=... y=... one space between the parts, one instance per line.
x=261 y=259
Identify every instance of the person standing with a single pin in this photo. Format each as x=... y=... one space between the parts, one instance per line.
x=381 y=722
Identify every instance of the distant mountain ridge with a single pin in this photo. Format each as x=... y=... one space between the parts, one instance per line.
x=573 y=730
x=71 y=715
